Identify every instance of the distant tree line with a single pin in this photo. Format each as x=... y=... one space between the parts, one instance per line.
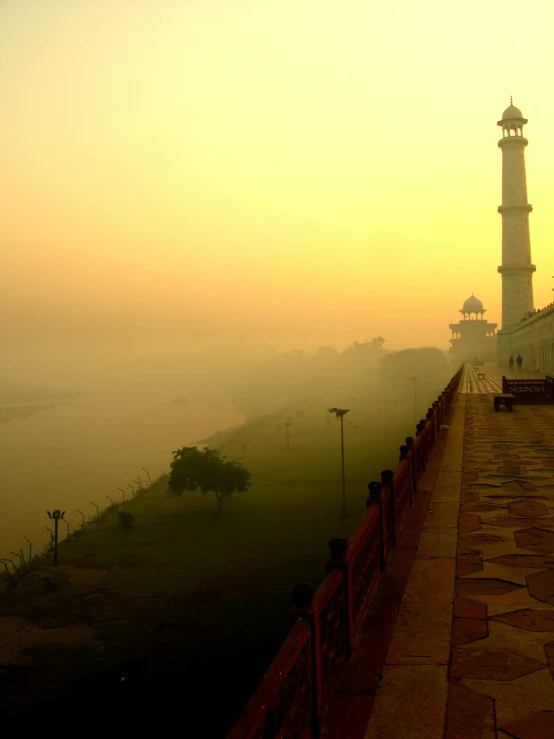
x=294 y=376
x=429 y=364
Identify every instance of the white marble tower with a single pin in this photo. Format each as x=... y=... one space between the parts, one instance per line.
x=516 y=269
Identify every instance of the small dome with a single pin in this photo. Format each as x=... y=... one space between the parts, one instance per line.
x=473 y=305
x=511 y=113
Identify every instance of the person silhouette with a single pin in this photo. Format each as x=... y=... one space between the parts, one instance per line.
x=511 y=363
x=519 y=362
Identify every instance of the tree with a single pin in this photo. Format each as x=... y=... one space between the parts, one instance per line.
x=326 y=354
x=365 y=351
x=209 y=471
x=359 y=363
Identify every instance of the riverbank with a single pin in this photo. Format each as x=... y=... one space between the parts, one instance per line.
x=84 y=448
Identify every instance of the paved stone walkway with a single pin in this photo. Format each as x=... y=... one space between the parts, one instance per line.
x=458 y=642
x=474 y=382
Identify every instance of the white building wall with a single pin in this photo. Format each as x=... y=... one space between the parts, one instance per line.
x=533 y=338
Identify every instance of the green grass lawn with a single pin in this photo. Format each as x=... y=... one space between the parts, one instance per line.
x=189 y=608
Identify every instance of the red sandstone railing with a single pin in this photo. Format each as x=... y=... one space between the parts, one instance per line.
x=292 y=697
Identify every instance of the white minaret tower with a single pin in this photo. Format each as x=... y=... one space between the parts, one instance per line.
x=516 y=270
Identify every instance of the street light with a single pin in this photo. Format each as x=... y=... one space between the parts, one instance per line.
x=288 y=423
x=56 y=515
x=340 y=413
x=415 y=399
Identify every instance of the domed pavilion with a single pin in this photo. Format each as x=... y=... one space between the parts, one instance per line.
x=473 y=338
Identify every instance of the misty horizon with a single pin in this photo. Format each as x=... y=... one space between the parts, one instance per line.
x=75 y=435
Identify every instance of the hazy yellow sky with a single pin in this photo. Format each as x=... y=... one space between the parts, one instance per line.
x=296 y=172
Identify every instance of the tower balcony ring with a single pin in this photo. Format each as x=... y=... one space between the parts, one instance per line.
x=514 y=209
x=523 y=270
x=513 y=141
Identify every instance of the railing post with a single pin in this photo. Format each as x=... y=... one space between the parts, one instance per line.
x=442 y=413
x=405 y=456
x=375 y=497
x=338 y=548
x=420 y=431
x=387 y=481
x=303 y=598
x=431 y=421
x=436 y=419
x=429 y=441
x=410 y=444
x=419 y=452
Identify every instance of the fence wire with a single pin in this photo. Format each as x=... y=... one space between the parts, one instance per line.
x=17 y=563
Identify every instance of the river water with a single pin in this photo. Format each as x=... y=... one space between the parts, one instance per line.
x=84 y=448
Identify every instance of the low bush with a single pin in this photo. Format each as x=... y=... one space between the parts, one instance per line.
x=126 y=520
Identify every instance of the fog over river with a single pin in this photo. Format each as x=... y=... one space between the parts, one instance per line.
x=72 y=449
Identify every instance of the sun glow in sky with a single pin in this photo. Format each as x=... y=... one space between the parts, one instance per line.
x=296 y=172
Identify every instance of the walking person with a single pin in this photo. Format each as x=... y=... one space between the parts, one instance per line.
x=519 y=362
x=511 y=363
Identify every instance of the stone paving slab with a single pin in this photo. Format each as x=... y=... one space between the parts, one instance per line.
x=409 y=703
x=421 y=635
x=437 y=543
x=442 y=515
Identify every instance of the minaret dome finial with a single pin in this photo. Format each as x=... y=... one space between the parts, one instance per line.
x=511 y=101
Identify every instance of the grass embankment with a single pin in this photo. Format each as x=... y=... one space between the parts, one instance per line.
x=178 y=618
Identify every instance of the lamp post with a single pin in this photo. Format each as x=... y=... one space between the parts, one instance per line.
x=340 y=413
x=288 y=423
x=56 y=515
x=415 y=399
